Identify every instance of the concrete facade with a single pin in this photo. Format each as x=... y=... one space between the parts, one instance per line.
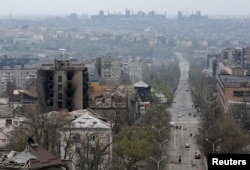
x=143 y=90
x=232 y=88
x=109 y=69
x=62 y=85
x=20 y=78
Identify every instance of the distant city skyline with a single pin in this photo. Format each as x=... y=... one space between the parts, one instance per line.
x=92 y=7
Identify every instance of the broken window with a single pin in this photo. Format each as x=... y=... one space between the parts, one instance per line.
x=50 y=77
x=69 y=95
x=60 y=104
x=50 y=94
x=92 y=137
x=69 y=77
x=59 y=87
x=59 y=96
x=8 y=122
x=69 y=86
x=59 y=78
x=78 y=137
x=50 y=102
x=69 y=104
x=50 y=86
x=241 y=93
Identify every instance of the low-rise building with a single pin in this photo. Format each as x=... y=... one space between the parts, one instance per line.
x=33 y=157
x=87 y=141
x=162 y=98
x=143 y=90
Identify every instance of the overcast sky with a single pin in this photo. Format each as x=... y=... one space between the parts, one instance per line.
x=171 y=7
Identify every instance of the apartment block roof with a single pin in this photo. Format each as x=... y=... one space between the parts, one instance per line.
x=233 y=81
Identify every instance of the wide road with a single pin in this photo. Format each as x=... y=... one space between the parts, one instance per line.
x=184 y=115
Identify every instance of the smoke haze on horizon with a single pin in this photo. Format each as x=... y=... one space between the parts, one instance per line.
x=92 y=7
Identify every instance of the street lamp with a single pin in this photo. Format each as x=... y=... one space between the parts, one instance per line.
x=159 y=130
x=160 y=121
x=158 y=162
x=160 y=143
x=213 y=143
x=206 y=131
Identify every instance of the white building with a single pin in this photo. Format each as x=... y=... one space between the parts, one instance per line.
x=82 y=137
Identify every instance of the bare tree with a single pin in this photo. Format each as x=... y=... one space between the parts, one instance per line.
x=88 y=150
x=93 y=155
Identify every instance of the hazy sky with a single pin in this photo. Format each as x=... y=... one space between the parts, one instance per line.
x=171 y=7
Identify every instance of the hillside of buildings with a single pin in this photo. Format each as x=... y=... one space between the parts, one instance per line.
x=93 y=87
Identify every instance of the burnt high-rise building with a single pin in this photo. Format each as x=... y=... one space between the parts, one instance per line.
x=62 y=85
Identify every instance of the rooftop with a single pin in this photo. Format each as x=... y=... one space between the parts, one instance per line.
x=235 y=81
x=88 y=120
x=141 y=84
x=44 y=158
x=34 y=157
x=62 y=65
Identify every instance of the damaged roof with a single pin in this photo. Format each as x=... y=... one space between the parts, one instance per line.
x=33 y=157
x=44 y=158
x=88 y=120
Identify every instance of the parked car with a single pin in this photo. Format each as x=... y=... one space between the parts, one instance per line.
x=197 y=156
x=171 y=124
x=187 y=145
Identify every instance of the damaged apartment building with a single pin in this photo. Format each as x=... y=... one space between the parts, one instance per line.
x=62 y=85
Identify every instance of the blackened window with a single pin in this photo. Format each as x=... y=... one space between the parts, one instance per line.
x=69 y=95
x=50 y=77
x=59 y=104
x=69 y=86
x=59 y=78
x=8 y=121
x=59 y=96
x=69 y=77
x=51 y=94
x=59 y=87
x=50 y=86
x=50 y=102
x=69 y=103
